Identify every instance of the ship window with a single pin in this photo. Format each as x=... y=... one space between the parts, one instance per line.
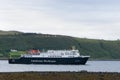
x=74 y=53
x=67 y=53
x=62 y=53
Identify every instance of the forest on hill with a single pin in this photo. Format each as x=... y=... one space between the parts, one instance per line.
x=97 y=49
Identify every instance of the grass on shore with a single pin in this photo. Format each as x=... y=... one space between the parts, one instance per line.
x=59 y=76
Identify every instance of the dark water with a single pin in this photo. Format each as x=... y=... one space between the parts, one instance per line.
x=94 y=66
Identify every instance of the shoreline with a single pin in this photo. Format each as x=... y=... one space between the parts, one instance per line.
x=82 y=75
x=6 y=58
x=88 y=60
x=82 y=71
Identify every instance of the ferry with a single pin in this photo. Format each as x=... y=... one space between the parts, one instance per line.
x=71 y=57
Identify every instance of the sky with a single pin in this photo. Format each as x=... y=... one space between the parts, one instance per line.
x=95 y=19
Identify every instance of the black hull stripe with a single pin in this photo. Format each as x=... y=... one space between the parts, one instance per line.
x=77 y=60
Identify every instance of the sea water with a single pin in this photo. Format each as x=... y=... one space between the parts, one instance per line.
x=91 y=66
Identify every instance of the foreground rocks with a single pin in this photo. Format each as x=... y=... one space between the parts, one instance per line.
x=60 y=76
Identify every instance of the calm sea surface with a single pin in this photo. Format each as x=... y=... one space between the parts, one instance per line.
x=94 y=66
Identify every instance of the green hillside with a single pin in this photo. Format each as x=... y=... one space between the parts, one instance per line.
x=97 y=49
x=100 y=49
x=26 y=41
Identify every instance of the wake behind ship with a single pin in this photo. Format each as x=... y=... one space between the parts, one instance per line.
x=50 y=57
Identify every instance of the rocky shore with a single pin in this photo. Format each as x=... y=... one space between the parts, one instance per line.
x=83 y=75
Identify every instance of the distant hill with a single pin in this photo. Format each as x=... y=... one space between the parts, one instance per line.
x=97 y=49
x=9 y=32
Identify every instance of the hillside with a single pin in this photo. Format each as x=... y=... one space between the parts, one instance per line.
x=97 y=49
x=9 y=32
x=26 y=41
x=100 y=49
